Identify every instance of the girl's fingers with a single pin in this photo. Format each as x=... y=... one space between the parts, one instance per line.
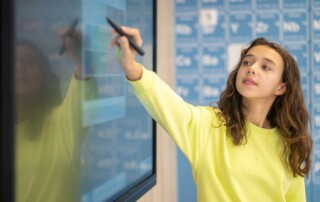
x=124 y=44
x=131 y=32
x=114 y=41
x=62 y=32
x=134 y=33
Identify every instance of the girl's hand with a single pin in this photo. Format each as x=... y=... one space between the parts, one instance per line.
x=73 y=49
x=125 y=54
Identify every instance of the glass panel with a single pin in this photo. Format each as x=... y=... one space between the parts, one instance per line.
x=81 y=135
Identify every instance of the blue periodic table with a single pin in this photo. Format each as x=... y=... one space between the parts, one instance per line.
x=209 y=32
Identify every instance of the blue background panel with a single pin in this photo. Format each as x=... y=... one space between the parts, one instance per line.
x=219 y=4
x=300 y=53
x=316 y=176
x=212 y=89
x=316 y=125
x=267 y=4
x=308 y=186
x=216 y=31
x=187 y=60
x=315 y=3
x=240 y=27
x=295 y=4
x=315 y=24
x=267 y=25
x=186 y=28
x=188 y=89
x=316 y=162
x=240 y=4
x=316 y=57
x=295 y=26
x=186 y=184
x=316 y=159
x=316 y=89
x=213 y=59
x=185 y=5
x=305 y=88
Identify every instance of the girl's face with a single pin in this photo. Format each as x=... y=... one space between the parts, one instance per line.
x=27 y=72
x=260 y=74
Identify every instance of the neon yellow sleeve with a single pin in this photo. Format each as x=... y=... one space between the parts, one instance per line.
x=181 y=120
x=68 y=115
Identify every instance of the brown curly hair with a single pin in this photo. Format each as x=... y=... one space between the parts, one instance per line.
x=288 y=112
x=48 y=96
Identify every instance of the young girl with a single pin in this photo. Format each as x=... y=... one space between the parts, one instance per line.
x=255 y=145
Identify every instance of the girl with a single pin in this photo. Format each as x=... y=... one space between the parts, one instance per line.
x=255 y=145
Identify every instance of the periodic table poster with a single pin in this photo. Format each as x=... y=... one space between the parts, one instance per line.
x=209 y=35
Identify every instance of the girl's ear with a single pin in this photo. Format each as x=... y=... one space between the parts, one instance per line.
x=281 y=89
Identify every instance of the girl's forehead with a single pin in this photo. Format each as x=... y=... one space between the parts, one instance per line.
x=263 y=51
x=25 y=50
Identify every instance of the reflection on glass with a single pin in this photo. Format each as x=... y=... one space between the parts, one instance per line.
x=48 y=98
x=81 y=135
x=48 y=130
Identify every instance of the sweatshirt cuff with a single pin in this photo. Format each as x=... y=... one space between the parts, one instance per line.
x=145 y=83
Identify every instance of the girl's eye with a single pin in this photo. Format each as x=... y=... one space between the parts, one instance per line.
x=247 y=63
x=265 y=67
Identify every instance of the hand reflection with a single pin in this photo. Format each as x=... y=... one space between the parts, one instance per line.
x=73 y=44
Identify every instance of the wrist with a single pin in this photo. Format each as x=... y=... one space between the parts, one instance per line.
x=78 y=73
x=135 y=72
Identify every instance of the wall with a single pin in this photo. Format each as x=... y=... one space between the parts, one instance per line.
x=208 y=33
x=166 y=188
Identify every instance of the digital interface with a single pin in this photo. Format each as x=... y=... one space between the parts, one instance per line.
x=104 y=135
x=118 y=149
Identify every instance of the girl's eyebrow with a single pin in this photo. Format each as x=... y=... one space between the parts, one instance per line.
x=267 y=59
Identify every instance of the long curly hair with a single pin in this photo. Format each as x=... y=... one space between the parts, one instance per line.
x=49 y=94
x=288 y=112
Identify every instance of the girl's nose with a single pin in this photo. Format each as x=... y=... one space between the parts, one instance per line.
x=251 y=70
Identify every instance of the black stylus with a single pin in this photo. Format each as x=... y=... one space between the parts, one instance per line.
x=121 y=32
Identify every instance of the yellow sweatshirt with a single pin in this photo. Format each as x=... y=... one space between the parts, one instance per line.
x=222 y=171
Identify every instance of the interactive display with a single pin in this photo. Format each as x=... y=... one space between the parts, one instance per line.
x=92 y=140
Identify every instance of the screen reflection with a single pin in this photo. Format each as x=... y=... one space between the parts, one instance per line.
x=81 y=135
x=49 y=134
